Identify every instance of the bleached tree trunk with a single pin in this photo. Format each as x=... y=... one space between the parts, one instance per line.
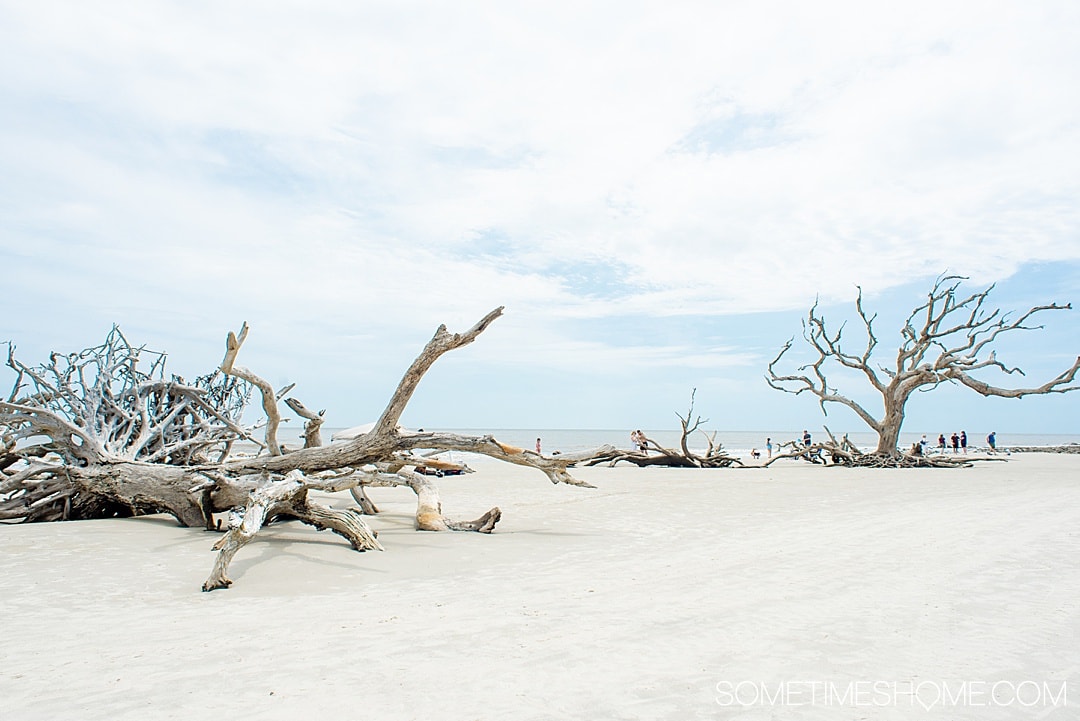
x=145 y=488
x=892 y=420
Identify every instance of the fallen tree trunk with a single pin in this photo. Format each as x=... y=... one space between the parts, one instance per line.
x=121 y=438
x=844 y=453
x=653 y=454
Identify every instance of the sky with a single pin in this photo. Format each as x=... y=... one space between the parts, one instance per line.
x=656 y=192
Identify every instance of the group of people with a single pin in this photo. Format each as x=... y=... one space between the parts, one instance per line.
x=639 y=441
x=957 y=441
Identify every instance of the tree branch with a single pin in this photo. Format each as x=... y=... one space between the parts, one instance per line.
x=441 y=343
x=269 y=397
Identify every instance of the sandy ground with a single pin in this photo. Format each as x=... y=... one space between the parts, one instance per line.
x=781 y=593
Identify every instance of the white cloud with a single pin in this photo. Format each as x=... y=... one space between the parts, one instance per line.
x=364 y=167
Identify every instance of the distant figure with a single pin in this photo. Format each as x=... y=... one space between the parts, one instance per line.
x=639 y=441
x=955 y=442
x=991 y=440
x=806 y=438
x=963 y=440
x=916 y=449
x=768 y=446
x=538 y=447
x=922 y=445
x=754 y=453
x=941 y=442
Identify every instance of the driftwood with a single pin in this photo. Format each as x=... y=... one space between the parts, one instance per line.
x=312 y=429
x=1067 y=448
x=107 y=433
x=654 y=454
x=844 y=453
x=944 y=340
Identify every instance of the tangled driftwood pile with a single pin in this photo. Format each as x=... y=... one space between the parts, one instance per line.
x=107 y=432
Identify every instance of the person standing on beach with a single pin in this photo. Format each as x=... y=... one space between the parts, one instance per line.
x=941 y=442
x=538 y=447
x=806 y=438
x=963 y=440
x=768 y=446
x=991 y=440
x=955 y=442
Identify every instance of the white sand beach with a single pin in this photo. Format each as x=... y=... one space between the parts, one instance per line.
x=661 y=594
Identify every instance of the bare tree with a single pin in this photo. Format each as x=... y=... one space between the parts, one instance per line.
x=106 y=432
x=945 y=339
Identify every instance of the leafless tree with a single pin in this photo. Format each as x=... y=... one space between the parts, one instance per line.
x=944 y=340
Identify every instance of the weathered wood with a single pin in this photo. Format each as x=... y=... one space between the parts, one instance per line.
x=656 y=455
x=269 y=397
x=123 y=438
x=313 y=427
x=944 y=340
x=429 y=515
x=844 y=453
x=285 y=496
x=367 y=506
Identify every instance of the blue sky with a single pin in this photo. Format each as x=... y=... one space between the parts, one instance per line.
x=656 y=192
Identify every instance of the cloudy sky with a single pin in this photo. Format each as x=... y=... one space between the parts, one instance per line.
x=655 y=191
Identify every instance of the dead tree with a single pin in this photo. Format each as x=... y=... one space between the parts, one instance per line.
x=106 y=433
x=656 y=455
x=944 y=340
x=845 y=453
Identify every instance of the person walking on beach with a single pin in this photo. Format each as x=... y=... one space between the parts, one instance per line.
x=768 y=446
x=991 y=440
x=955 y=442
x=963 y=440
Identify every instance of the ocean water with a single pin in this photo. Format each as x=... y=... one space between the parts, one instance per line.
x=737 y=443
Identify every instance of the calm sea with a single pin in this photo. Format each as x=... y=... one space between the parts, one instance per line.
x=566 y=440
